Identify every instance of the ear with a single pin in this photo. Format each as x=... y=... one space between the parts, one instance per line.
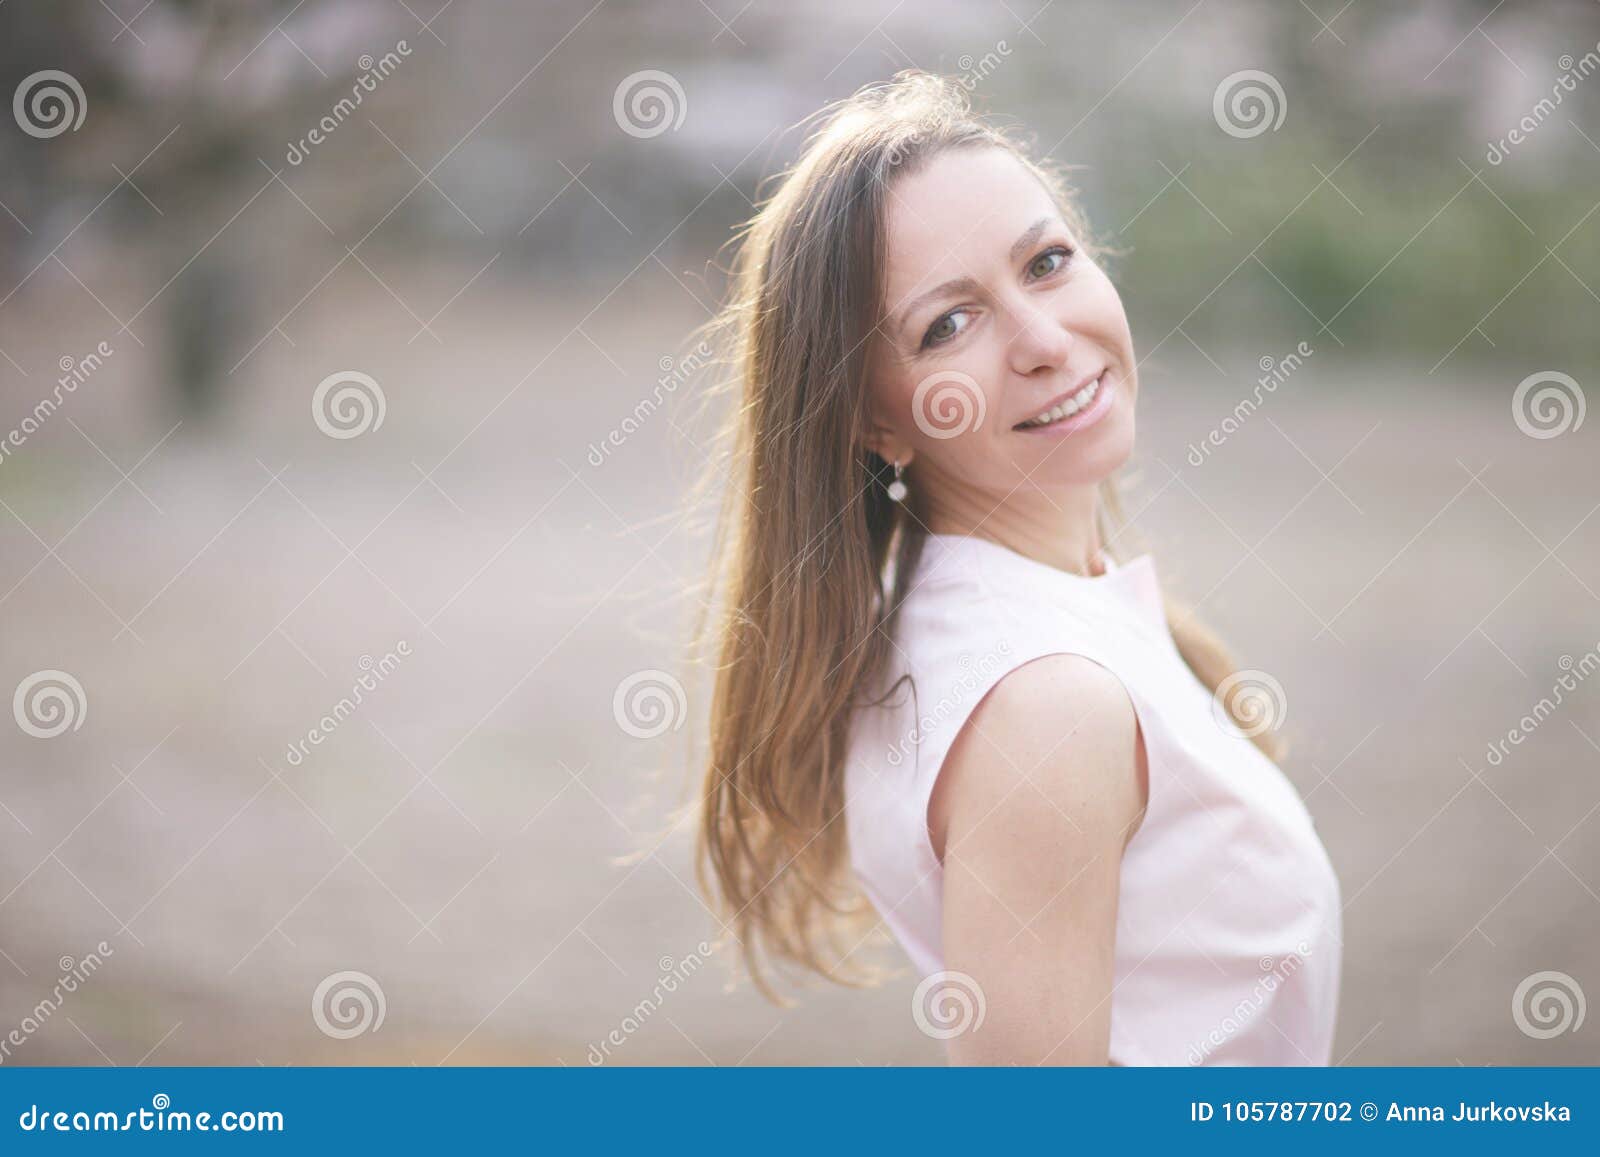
x=886 y=444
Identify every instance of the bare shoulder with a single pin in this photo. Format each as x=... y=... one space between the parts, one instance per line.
x=1053 y=750
x=1034 y=804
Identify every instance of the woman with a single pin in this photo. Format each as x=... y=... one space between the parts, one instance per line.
x=934 y=686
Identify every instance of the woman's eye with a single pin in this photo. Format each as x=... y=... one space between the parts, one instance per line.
x=1048 y=262
x=945 y=328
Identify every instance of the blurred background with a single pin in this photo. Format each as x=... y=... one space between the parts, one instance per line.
x=346 y=424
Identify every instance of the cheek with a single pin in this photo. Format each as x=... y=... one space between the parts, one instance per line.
x=888 y=395
x=1109 y=313
x=947 y=408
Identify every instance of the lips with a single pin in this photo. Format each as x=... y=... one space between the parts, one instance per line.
x=1066 y=406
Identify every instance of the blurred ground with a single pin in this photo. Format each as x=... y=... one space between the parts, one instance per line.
x=452 y=839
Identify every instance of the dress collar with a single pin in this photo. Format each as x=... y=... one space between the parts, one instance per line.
x=1133 y=584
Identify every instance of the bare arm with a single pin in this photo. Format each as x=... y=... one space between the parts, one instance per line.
x=1034 y=805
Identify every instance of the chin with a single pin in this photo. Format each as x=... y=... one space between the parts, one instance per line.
x=1111 y=450
x=1092 y=461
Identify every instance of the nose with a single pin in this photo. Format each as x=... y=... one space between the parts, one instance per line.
x=1040 y=342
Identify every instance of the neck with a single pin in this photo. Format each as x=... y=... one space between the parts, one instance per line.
x=1059 y=529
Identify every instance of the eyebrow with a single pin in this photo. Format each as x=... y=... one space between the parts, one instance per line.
x=968 y=285
x=953 y=287
x=1029 y=236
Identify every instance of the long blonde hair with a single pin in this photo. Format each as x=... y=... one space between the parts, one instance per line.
x=799 y=620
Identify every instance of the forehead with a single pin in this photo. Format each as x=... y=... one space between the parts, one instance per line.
x=958 y=214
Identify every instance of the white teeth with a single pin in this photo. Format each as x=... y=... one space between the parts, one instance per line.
x=1067 y=408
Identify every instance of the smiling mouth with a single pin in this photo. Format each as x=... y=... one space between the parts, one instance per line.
x=1064 y=408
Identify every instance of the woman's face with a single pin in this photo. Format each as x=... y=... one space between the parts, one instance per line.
x=1004 y=359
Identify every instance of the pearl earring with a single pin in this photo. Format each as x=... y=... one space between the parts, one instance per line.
x=897 y=488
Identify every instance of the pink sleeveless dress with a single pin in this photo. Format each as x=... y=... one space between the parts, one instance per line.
x=1229 y=916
